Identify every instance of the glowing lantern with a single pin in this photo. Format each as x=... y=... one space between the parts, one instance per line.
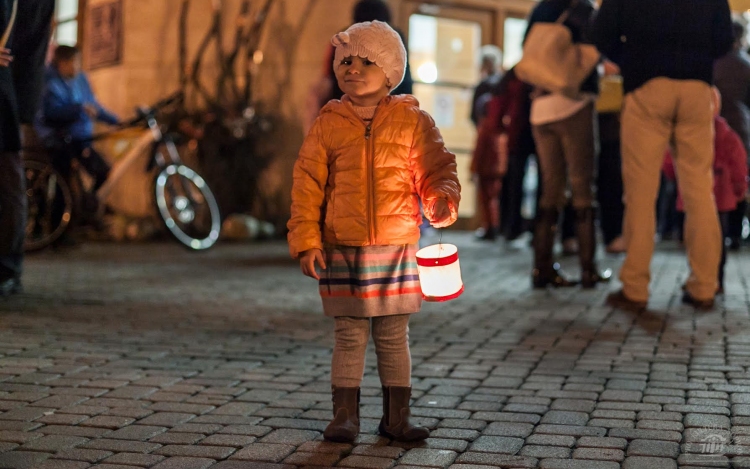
x=439 y=272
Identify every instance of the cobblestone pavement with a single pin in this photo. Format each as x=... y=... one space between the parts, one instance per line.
x=134 y=356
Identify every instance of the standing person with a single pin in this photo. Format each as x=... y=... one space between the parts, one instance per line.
x=732 y=78
x=730 y=175
x=364 y=167
x=668 y=50
x=490 y=71
x=563 y=129
x=21 y=72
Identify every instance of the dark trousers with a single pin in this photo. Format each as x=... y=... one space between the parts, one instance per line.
x=609 y=191
x=725 y=220
x=12 y=214
x=511 y=199
x=86 y=156
x=735 y=222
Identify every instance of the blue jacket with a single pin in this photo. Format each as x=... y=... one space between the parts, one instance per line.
x=62 y=113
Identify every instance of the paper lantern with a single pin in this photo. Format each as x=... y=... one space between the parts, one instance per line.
x=439 y=272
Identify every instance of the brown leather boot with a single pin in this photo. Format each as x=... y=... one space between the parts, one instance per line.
x=395 y=422
x=546 y=272
x=590 y=274
x=344 y=427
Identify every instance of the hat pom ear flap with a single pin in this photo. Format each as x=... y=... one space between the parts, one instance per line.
x=340 y=39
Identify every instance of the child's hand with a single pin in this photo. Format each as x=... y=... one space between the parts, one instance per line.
x=441 y=214
x=307 y=262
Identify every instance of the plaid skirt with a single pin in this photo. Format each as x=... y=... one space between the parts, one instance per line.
x=370 y=281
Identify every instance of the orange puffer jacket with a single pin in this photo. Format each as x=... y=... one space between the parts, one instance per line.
x=360 y=184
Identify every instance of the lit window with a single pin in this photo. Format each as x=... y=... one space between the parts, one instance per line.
x=66 y=22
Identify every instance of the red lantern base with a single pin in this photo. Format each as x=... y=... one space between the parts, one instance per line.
x=444 y=298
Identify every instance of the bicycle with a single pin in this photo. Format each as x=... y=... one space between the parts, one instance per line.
x=184 y=202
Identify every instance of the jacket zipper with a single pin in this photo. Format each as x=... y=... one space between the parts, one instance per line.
x=371 y=179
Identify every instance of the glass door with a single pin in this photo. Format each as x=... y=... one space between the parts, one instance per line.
x=444 y=45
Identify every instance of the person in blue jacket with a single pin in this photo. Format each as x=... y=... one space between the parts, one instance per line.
x=67 y=115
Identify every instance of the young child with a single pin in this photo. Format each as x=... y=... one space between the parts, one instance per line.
x=730 y=176
x=362 y=170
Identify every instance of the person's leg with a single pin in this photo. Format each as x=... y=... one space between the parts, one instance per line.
x=95 y=165
x=347 y=368
x=694 y=155
x=552 y=199
x=647 y=120
x=725 y=220
x=609 y=189
x=489 y=204
x=568 y=229
x=735 y=225
x=512 y=197
x=391 y=337
x=12 y=221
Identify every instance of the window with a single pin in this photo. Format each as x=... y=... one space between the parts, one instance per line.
x=514 y=30
x=66 y=22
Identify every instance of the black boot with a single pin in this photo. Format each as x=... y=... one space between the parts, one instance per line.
x=344 y=427
x=586 y=232
x=546 y=272
x=395 y=422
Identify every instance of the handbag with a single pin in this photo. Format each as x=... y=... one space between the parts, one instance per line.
x=552 y=61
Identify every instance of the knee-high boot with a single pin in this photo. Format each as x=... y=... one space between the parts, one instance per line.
x=344 y=427
x=395 y=422
x=546 y=272
x=586 y=232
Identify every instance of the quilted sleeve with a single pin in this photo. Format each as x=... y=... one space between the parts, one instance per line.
x=308 y=194
x=434 y=168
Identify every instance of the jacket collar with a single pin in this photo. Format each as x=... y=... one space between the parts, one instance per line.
x=344 y=108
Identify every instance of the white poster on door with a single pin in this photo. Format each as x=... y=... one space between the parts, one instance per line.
x=445 y=109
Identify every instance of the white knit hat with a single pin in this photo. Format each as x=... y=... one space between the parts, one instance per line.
x=376 y=41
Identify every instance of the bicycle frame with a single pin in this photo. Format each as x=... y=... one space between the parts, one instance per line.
x=151 y=137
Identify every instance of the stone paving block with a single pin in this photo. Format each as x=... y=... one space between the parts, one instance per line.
x=121 y=445
x=661 y=449
x=520 y=430
x=136 y=432
x=74 y=430
x=496 y=444
x=428 y=457
x=621 y=396
x=660 y=425
x=247 y=430
x=574 y=430
x=497 y=460
x=468 y=435
x=611 y=423
x=135 y=459
x=26 y=414
x=706 y=420
x=536 y=451
x=86 y=455
x=256 y=465
x=365 y=462
x=575 y=405
x=264 y=452
x=178 y=438
x=196 y=451
x=551 y=440
x=390 y=452
x=600 y=454
x=633 y=434
x=300 y=459
x=22 y=459
x=289 y=436
x=560 y=417
x=577 y=464
x=642 y=462
x=18 y=437
x=316 y=425
x=107 y=421
x=53 y=443
x=184 y=463
x=461 y=424
x=506 y=417
x=236 y=441
x=60 y=464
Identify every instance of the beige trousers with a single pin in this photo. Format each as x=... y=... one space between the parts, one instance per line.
x=391 y=337
x=659 y=113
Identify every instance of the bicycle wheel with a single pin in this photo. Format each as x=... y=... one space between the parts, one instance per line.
x=187 y=206
x=50 y=205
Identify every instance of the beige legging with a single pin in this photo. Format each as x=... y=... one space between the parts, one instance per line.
x=391 y=337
